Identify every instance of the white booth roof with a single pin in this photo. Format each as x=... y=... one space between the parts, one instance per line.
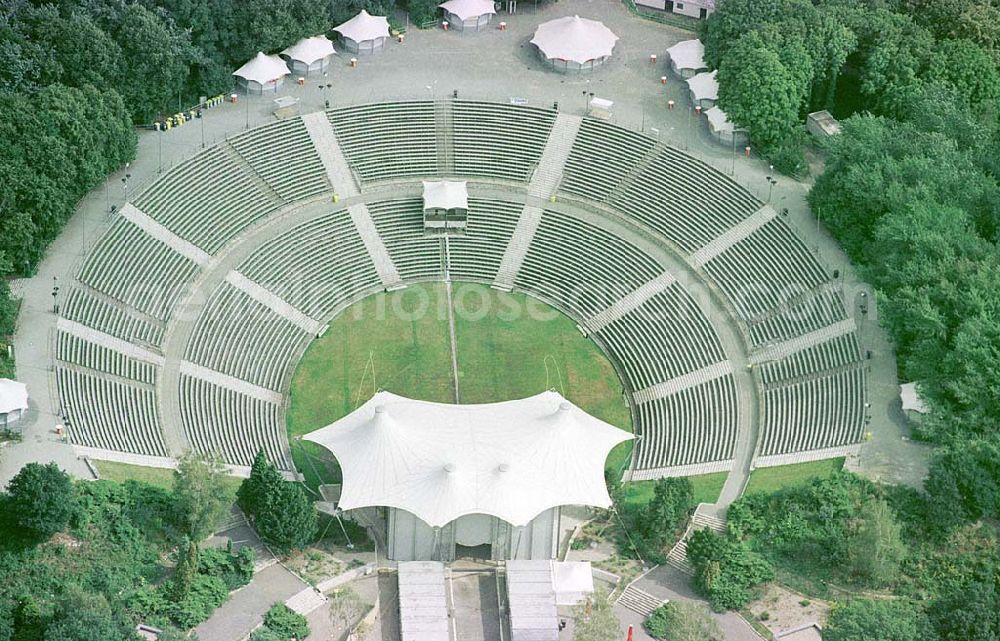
x=309 y=50
x=911 y=398
x=575 y=39
x=13 y=396
x=438 y=461
x=364 y=26
x=445 y=194
x=688 y=54
x=718 y=119
x=466 y=9
x=704 y=86
x=263 y=69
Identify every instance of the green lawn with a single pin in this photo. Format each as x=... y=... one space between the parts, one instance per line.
x=706 y=489
x=509 y=346
x=157 y=476
x=772 y=479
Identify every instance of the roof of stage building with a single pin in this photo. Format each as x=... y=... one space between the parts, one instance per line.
x=439 y=461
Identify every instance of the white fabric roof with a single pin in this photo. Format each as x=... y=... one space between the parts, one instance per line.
x=911 y=398
x=572 y=580
x=704 y=86
x=438 y=461
x=466 y=9
x=364 y=26
x=445 y=194
x=688 y=54
x=718 y=119
x=309 y=50
x=574 y=38
x=13 y=396
x=263 y=69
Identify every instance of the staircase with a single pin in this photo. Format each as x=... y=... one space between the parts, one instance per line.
x=548 y=173
x=305 y=601
x=703 y=521
x=639 y=601
x=677 y=557
x=262 y=184
x=444 y=124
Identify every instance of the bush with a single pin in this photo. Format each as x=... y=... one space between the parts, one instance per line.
x=206 y=594
x=679 y=621
x=235 y=570
x=725 y=569
x=789 y=156
x=41 y=497
x=285 y=624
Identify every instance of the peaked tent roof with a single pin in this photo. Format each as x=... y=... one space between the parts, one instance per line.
x=466 y=9
x=719 y=120
x=575 y=39
x=439 y=461
x=704 y=86
x=13 y=396
x=364 y=26
x=688 y=54
x=309 y=50
x=263 y=69
x=445 y=194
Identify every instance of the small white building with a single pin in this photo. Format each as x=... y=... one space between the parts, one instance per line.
x=263 y=73
x=364 y=33
x=484 y=480
x=913 y=404
x=446 y=206
x=687 y=58
x=574 y=44
x=704 y=89
x=468 y=15
x=723 y=130
x=693 y=9
x=309 y=55
x=13 y=402
x=822 y=124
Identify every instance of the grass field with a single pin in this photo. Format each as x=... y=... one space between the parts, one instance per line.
x=157 y=476
x=508 y=347
x=706 y=489
x=772 y=479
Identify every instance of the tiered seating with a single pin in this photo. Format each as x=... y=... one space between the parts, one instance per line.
x=805 y=314
x=282 y=153
x=400 y=223
x=832 y=354
x=316 y=267
x=91 y=310
x=386 y=141
x=133 y=267
x=476 y=256
x=238 y=336
x=497 y=140
x=73 y=349
x=581 y=268
x=106 y=413
x=695 y=425
x=208 y=199
x=234 y=425
x=602 y=157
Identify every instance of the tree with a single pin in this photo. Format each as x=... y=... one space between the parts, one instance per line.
x=969 y=612
x=201 y=497
x=661 y=519
x=87 y=617
x=971 y=71
x=264 y=477
x=595 y=620
x=726 y=570
x=286 y=624
x=186 y=570
x=682 y=621
x=286 y=518
x=884 y=620
x=42 y=498
x=876 y=549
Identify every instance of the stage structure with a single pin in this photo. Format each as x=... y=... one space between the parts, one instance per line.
x=470 y=480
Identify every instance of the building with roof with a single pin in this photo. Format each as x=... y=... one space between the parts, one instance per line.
x=446 y=206
x=13 y=402
x=468 y=15
x=482 y=480
x=691 y=8
x=309 y=55
x=687 y=58
x=262 y=73
x=704 y=89
x=723 y=130
x=364 y=33
x=822 y=124
x=574 y=44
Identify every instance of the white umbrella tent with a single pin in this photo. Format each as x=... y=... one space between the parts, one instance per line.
x=574 y=44
x=13 y=402
x=687 y=58
x=468 y=15
x=309 y=55
x=364 y=33
x=492 y=474
x=704 y=89
x=263 y=73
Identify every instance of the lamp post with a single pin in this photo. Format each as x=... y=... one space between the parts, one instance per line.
x=55 y=294
x=125 y=185
x=771 y=182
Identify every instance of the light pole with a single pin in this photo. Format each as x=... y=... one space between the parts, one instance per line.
x=201 y=117
x=248 y=106
x=771 y=182
x=55 y=294
x=125 y=185
x=159 y=149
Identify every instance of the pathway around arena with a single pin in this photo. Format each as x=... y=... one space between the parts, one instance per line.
x=432 y=63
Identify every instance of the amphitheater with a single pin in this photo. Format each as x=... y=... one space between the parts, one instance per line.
x=185 y=321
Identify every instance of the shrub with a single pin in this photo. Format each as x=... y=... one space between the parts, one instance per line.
x=42 y=499
x=725 y=569
x=206 y=594
x=678 y=621
x=285 y=623
x=235 y=570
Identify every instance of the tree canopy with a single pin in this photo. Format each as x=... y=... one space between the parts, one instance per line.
x=41 y=498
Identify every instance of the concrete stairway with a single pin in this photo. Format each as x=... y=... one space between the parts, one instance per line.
x=639 y=601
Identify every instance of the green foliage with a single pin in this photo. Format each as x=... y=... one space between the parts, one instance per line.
x=206 y=594
x=964 y=483
x=201 y=495
x=282 y=513
x=968 y=612
x=657 y=524
x=264 y=476
x=875 y=549
x=422 y=11
x=683 y=621
x=884 y=620
x=235 y=570
x=265 y=634
x=186 y=570
x=726 y=570
x=41 y=498
x=86 y=617
x=595 y=620
x=285 y=624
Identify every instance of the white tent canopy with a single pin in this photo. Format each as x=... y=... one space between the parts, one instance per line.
x=911 y=398
x=466 y=9
x=310 y=50
x=445 y=194
x=718 y=120
x=363 y=27
x=263 y=69
x=687 y=54
x=13 y=396
x=575 y=39
x=439 y=461
x=704 y=86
